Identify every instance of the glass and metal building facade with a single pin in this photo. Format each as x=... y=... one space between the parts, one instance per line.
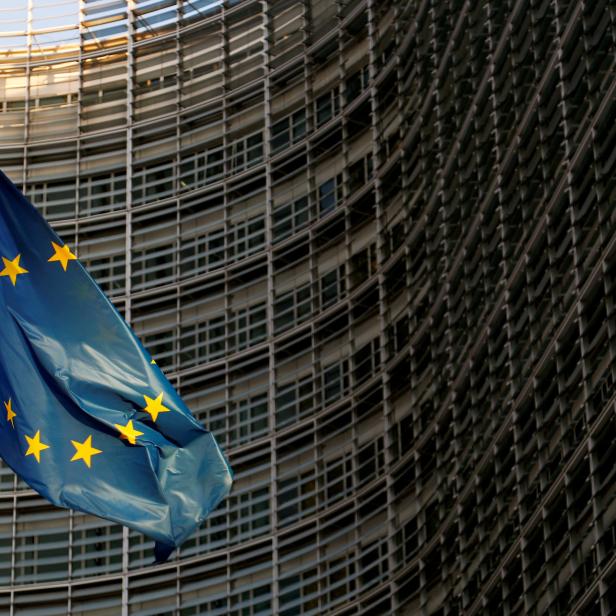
x=373 y=245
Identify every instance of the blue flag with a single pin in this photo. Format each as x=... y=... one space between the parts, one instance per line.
x=88 y=420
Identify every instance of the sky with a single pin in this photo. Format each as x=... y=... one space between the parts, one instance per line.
x=45 y=14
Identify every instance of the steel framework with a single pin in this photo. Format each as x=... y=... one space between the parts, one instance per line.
x=373 y=244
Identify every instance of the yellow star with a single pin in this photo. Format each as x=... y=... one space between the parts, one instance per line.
x=12 y=269
x=128 y=432
x=35 y=446
x=154 y=406
x=62 y=254
x=85 y=451
x=10 y=413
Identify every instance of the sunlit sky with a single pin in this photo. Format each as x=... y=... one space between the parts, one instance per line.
x=56 y=22
x=46 y=14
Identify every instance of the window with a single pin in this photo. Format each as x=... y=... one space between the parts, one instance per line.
x=248 y=514
x=290 y=218
x=292 y=308
x=402 y=433
x=202 y=341
x=215 y=247
x=102 y=193
x=15 y=105
x=293 y=401
x=216 y=337
x=254 y=149
x=399 y=334
x=332 y=287
x=91 y=598
x=214 y=419
x=359 y=173
x=245 y=153
x=288 y=131
x=202 y=253
x=338 y=479
x=357 y=83
x=370 y=461
x=153 y=183
x=247 y=327
x=161 y=345
x=366 y=361
x=363 y=264
x=109 y=273
x=202 y=168
x=341 y=578
x=394 y=238
x=407 y=540
x=112 y=92
x=327 y=106
x=53 y=200
x=330 y=192
x=41 y=542
x=249 y=602
x=248 y=419
x=299 y=593
x=247 y=237
x=374 y=563
x=152 y=266
x=335 y=381
x=213 y=533
x=296 y=497
x=53 y=101
x=97 y=546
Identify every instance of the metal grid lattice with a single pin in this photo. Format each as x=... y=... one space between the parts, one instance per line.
x=372 y=245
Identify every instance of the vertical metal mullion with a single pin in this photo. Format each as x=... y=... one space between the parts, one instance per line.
x=177 y=172
x=81 y=18
x=586 y=374
x=178 y=244
x=71 y=526
x=449 y=240
x=24 y=172
x=27 y=108
x=348 y=238
x=24 y=181
x=227 y=165
x=267 y=135
x=130 y=68
x=13 y=544
x=313 y=209
x=388 y=444
x=381 y=257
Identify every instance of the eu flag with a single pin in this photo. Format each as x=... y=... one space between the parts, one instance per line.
x=89 y=421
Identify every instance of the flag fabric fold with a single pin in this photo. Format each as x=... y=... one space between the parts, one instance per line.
x=88 y=419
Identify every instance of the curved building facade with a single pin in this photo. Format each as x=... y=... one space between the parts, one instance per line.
x=372 y=245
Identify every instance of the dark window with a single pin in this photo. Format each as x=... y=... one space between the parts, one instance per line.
x=327 y=107
x=329 y=194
